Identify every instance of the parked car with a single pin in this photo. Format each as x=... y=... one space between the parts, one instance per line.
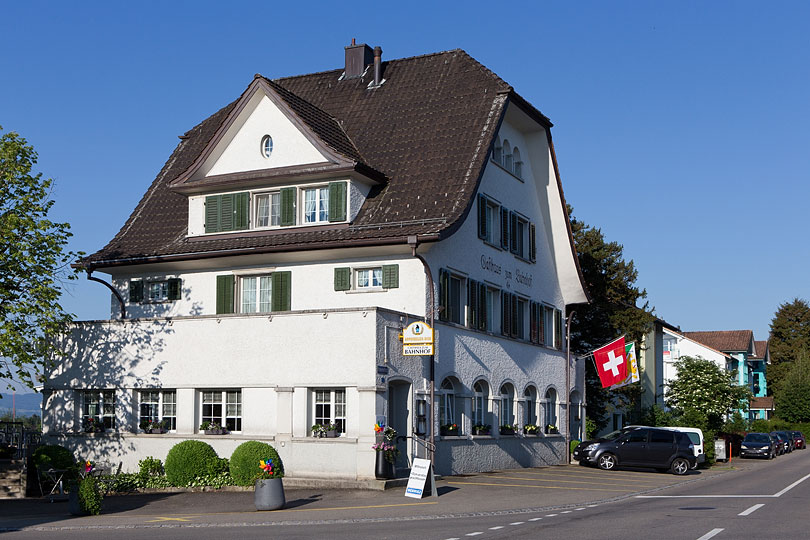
x=696 y=436
x=659 y=448
x=784 y=444
x=799 y=440
x=789 y=437
x=759 y=445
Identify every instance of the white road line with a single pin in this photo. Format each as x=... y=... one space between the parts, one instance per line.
x=751 y=510
x=518 y=523
x=711 y=534
x=496 y=528
x=791 y=486
x=550 y=515
x=474 y=534
x=592 y=505
x=566 y=512
x=578 y=509
x=705 y=496
x=535 y=519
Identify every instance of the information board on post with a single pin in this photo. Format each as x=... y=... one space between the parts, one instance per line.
x=417 y=339
x=421 y=474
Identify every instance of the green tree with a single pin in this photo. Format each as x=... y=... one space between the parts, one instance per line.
x=703 y=387
x=793 y=398
x=790 y=337
x=34 y=262
x=614 y=310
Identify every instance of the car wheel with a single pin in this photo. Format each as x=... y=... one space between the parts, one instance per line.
x=679 y=466
x=608 y=462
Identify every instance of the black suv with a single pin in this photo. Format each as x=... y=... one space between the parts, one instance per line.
x=661 y=449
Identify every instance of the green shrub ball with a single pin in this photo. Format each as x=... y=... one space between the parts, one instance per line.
x=245 y=462
x=53 y=456
x=188 y=460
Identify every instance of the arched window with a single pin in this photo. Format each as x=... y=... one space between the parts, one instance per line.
x=267 y=146
x=480 y=403
x=447 y=402
x=518 y=164
x=530 y=405
x=551 y=410
x=507 y=404
x=507 y=155
x=497 y=151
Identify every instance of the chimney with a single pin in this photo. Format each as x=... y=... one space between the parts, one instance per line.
x=377 y=65
x=357 y=58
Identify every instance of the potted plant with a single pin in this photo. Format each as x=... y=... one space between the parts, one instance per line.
x=530 y=429
x=269 y=489
x=85 y=497
x=449 y=429
x=481 y=429
x=92 y=425
x=318 y=431
x=386 y=452
x=212 y=428
x=507 y=429
x=551 y=429
x=150 y=426
x=331 y=430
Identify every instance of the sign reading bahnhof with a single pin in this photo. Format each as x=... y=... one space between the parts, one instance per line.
x=417 y=339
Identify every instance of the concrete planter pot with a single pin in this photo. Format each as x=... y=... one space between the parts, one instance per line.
x=331 y=433
x=215 y=432
x=74 y=507
x=383 y=469
x=269 y=494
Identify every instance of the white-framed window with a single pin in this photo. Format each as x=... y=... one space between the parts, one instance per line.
x=517 y=167
x=507 y=155
x=268 y=209
x=447 y=397
x=98 y=409
x=223 y=407
x=507 y=404
x=551 y=408
x=488 y=220
x=267 y=146
x=530 y=405
x=329 y=407
x=497 y=151
x=255 y=294
x=157 y=291
x=158 y=406
x=480 y=404
x=316 y=204
x=368 y=278
x=451 y=298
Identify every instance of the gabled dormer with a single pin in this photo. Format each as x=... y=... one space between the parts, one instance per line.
x=276 y=161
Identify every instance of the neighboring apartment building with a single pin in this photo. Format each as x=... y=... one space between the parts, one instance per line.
x=264 y=278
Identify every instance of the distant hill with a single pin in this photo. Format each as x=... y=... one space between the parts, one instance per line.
x=27 y=404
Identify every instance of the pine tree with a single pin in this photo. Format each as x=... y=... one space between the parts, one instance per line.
x=790 y=337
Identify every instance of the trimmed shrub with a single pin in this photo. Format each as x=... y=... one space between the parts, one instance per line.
x=90 y=497
x=245 y=462
x=53 y=456
x=188 y=460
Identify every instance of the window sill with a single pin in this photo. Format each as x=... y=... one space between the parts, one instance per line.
x=510 y=173
x=325 y=440
x=366 y=291
x=453 y=437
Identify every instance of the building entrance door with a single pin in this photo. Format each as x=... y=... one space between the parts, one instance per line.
x=399 y=418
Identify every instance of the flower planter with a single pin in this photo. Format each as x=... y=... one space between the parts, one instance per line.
x=383 y=469
x=158 y=430
x=481 y=432
x=507 y=431
x=74 y=507
x=331 y=433
x=449 y=432
x=215 y=432
x=269 y=494
x=552 y=432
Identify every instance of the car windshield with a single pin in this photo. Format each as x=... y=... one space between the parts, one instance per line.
x=613 y=435
x=797 y=434
x=756 y=438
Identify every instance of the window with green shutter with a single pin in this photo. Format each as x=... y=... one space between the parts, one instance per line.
x=532 y=242
x=288 y=206
x=228 y=212
x=175 y=288
x=282 y=291
x=343 y=279
x=482 y=217
x=135 y=291
x=504 y=228
x=444 y=294
x=337 y=202
x=390 y=276
x=225 y=294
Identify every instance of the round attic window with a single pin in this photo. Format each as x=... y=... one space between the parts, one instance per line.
x=267 y=146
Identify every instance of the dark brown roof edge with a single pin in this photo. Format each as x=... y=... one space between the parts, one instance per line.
x=433 y=237
x=530 y=110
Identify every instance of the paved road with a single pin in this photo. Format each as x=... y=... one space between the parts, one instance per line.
x=527 y=503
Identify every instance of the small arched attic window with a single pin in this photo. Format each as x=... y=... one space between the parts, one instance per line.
x=518 y=164
x=497 y=152
x=507 y=155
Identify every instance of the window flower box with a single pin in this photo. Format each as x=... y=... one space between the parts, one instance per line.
x=321 y=431
x=153 y=427
x=212 y=428
x=450 y=430
x=482 y=429
x=507 y=429
x=531 y=429
x=552 y=430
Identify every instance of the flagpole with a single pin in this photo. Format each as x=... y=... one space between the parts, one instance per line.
x=568 y=387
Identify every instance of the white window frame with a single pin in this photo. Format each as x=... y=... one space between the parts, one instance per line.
x=230 y=408
x=530 y=405
x=335 y=400
x=517 y=164
x=273 y=202
x=480 y=405
x=166 y=406
x=548 y=326
x=258 y=303
x=265 y=148
x=507 y=404
x=448 y=412
x=321 y=197
x=551 y=412
x=369 y=286
x=162 y=288
x=103 y=403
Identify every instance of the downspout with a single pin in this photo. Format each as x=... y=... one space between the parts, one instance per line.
x=114 y=291
x=431 y=307
x=568 y=387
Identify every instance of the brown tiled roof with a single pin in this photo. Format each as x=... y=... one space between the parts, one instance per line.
x=724 y=340
x=761 y=348
x=428 y=129
x=761 y=403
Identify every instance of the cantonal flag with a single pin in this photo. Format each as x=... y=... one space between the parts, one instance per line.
x=611 y=363
x=632 y=366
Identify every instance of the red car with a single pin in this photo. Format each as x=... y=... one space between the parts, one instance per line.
x=798 y=440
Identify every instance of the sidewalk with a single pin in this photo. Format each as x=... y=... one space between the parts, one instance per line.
x=503 y=492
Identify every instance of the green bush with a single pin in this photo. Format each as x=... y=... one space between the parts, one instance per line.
x=149 y=467
x=53 y=456
x=573 y=445
x=245 y=462
x=90 y=497
x=188 y=460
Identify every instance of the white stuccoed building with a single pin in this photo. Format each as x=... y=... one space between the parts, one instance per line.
x=265 y=277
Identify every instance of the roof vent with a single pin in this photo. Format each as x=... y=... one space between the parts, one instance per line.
x=357 y=58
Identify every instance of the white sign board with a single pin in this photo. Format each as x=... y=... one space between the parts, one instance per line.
x=417 y=350
x=421 y=472
x=417 y=333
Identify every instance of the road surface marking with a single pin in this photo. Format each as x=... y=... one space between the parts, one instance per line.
x=592 y=505
x=791 y=486
x=566 y=512
x=518 y=523
x=578 y=509
x=550 y=515
x=496 y=528
x=704 y=496
x=711 y=534
x=535 y=519
x=751 y=510
x=162 y=519
x=535 y=478
x=537 y=487
x=474 y=534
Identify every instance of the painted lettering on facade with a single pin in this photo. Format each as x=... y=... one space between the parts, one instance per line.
x=488 y=264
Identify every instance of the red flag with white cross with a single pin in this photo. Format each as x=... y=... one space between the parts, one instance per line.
x=611 y=363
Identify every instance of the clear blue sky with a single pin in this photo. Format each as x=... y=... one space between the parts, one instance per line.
x=680 y=127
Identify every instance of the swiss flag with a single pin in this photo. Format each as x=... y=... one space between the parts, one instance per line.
x=611 y=363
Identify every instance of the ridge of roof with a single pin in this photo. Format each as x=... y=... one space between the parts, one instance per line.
x=723 y=340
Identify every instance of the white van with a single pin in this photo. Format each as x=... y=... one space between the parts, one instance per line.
x=696 y=436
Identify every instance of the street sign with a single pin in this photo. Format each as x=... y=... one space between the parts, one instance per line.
x=417 y=339
x=417 y=350
x=421 y=473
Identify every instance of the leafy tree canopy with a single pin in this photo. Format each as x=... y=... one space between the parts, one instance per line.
x=793 y=398
x=790 y=337
x=614 y=310
x=33 y=264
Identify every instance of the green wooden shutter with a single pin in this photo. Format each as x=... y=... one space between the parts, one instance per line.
x=226 y=212
x=212 y=204
x=514 y=304
x=282 y=291
x=343 y=279
x=558 y=330
x=444 y=294
x=472 y=304
x=482 y=306
x=288 y=206
x=482 y=217
x=337 y=201
x=174 y=286
x=532 y=242
x=225 y=296
x=135 y=291
x=390 y=276
x=504 y=228
x=506 y=313
x=541 y=324
x=513 y=233
x=241 y=211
